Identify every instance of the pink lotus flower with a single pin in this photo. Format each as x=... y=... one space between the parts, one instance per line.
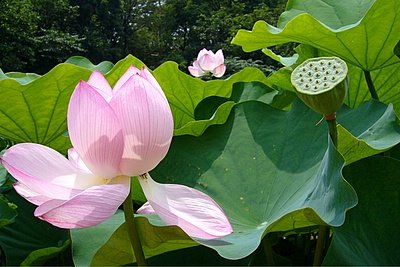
x=115 y=134
x=208 y=62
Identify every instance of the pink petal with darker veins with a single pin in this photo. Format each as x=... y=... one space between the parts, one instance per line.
x=147 y=123
x=41 y=169
x=98 y=81
x=89 y=208
x=132 y=70
x=193 y=211
x=95 y=131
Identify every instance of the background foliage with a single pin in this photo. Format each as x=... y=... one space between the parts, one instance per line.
x=38 y=34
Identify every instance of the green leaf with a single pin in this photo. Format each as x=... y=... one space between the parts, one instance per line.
x=83 y=62
x=184 y=92
x=378 y=131
x=107 y=244
x=3 y=175
x=277 y=167
x=331 y=13
x=155 y=240
x=137 y=192
x=215 y=110
x=386 y=82
x=397 y=50
x=28 y=233
x=285 y=61
x=367 y=43
x=36 y=111
x=7 y=212
x=369 y=235
x=40 y=256
x=87 y=241
x=353 y=148
x=22 y=78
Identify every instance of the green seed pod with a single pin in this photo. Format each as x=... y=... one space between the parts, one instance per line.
x=321 y=83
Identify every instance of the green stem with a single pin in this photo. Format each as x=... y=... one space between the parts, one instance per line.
x=370 y=85
x=132 y=231
x=268 y=251
x=324 y=230
x=332 y=126
x=322 y=242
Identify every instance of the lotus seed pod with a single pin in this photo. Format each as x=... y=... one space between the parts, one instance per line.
x=321 y=83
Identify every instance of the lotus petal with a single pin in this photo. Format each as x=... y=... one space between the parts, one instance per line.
x=147 y=123
x=100 y=83
x=42 y=169
x=29 y=194
x=219 y=57
x=95 y=131
x=219 y=71
x=207 y=62
x=89 y=208
x=195 y=70
x=146 y=208
x=150 y=78
x=193 y=211
x=132 y=70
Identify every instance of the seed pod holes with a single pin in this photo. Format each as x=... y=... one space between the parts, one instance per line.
x=330 y=70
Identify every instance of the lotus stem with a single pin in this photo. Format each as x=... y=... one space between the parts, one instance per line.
x=370 y=85
x=132 y=231
x=266 y=244
x=322 y=242
x=332 y=126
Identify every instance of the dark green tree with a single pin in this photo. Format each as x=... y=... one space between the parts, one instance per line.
x=18 y=24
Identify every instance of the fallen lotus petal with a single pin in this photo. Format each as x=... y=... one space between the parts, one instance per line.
x=192 y=210
x=208 y=62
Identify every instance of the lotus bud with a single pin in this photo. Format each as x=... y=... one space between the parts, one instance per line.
x=321 y=83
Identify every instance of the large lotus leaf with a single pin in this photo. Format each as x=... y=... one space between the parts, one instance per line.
x=386 y=82
x=215 y=110
x=368 y=43
x=278 y=167
x=108 y=244
x=369 y=235
x=28 y=234
x=184 y=92
x=87 y=241
x=378 y=131
x=36 y=111
x=329 y=12
x=155 y=241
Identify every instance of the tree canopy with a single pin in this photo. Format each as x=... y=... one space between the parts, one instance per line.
x=37 y=34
